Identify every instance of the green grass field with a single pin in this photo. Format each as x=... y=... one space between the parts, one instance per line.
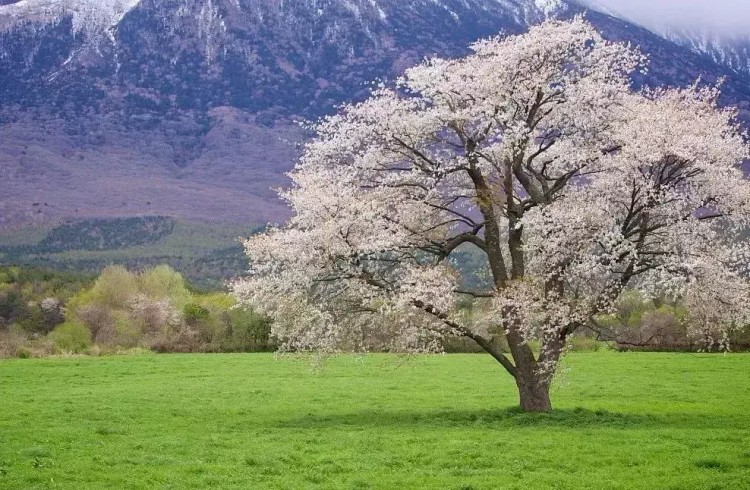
x=622 y=420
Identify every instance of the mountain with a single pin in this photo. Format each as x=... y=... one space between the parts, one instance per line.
x=731 y=50
x=190 y=108
x=725 y=45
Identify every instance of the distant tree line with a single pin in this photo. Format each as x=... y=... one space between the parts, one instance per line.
x=205 y=268
x=99 y=234
x=45 y=313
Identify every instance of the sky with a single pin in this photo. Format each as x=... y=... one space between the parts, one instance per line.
x=725 y=16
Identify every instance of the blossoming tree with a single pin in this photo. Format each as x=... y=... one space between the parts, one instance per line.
x=535 y=151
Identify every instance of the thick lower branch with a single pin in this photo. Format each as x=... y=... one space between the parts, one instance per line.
x=481 y=341
x=493 y=351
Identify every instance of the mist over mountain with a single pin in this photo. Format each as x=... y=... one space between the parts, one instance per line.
x=728 y=17
x=189 y=108
x=718 y=29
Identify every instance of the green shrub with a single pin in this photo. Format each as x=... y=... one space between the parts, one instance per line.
x=71 y=337
x=114 y=288
x=163 y=282
x=247 y=331
x=126 y=332
x=121 y=310
x=33 y=320
x=12 y=306
x=194 y=313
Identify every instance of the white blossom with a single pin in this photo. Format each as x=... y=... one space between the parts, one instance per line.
x=536 y=151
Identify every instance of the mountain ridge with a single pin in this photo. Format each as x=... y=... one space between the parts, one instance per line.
x=727 y=47
x=188 y=108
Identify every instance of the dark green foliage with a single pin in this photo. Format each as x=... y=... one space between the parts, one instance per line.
x=33 y=321
x=44 y=281
x=206 y=254
x=247 y=331
x=12 y=306
x=194 y=313
x=106 y=234
x=34 y=299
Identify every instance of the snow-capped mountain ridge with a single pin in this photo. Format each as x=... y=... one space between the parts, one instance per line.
x=88 y=16
x=196 y=98
x=98 y=20
x=139 y=42
x=725 y=45
x=731 y=50
x=96 y=15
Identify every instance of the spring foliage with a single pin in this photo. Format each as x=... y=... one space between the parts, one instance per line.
x=535 y=150
x=44 y=313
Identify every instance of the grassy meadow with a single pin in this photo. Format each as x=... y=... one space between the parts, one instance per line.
x=622 y=420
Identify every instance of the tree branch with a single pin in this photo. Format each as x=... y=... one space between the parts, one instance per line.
x=481 y=341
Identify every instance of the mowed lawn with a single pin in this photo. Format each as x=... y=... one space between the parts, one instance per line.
x=622 y=420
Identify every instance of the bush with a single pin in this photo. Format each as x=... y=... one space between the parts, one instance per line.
x=153 y=315
x=127 y=333
x=122 y=310
x=12 y=306
x=163 y=282
x=247 y=331
x=739 y=340
x=53 y=312
x=13 y=341
x=194 y=313
x=644 y=324
x=71 y=337
x=42 y=317
x=114 y=288
x=99 y=320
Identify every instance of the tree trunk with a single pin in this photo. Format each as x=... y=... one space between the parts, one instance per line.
x=533 y=391
x=533 y=386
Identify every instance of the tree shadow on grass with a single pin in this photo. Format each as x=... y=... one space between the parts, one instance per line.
x=508 y=418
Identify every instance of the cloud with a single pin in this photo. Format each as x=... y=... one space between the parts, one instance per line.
x=730 y=17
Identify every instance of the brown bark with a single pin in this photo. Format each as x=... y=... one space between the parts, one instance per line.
x=533 y=386
x=532 y=380
x=533 y=390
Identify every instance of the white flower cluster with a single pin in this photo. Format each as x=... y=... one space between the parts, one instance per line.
x=535 y=151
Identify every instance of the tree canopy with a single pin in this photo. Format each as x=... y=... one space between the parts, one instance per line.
x=536 y=151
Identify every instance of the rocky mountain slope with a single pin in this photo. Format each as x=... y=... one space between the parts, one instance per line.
x=732 y=51
x=188 y=108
